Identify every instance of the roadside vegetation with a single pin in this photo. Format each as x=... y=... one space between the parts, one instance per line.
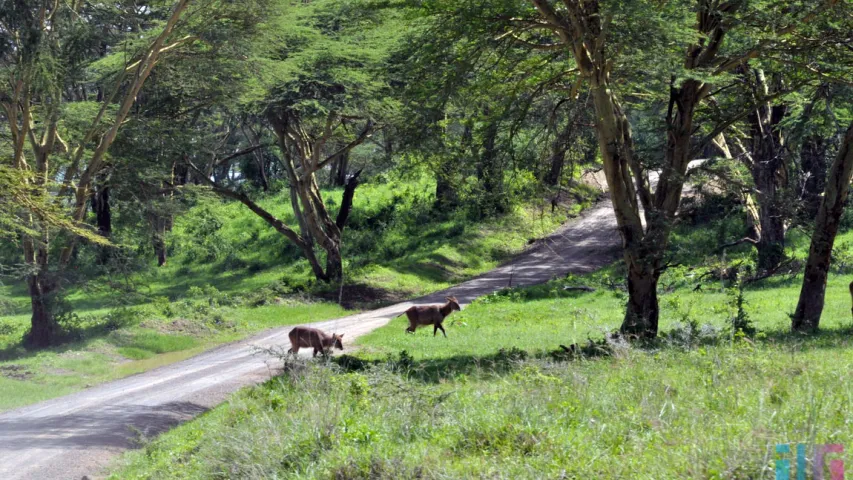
x=500 y=398
x=232 y=276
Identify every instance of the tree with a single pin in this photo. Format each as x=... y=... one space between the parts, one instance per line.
x=810 y=305
x=321 y=90
x=582 y=28
x=44 y=47
x=590 y=33
x=481 y=105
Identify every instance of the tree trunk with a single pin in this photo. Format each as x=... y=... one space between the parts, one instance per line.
x=643 y=312
x=558 y=157
x=616 y=144
x=813 y=165
x=334 y=263
x=262 y=170
x=338 y=173
x=43 y=328
x=101 y=208
x=490 y=172
x=446 y=195
x=771 y=243
x=810 y=305
x=321 y=226
x=767 y=168
x=103 y=219
x=346 y=200
x=158 y=238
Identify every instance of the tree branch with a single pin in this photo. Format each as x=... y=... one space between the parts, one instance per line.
x=280 y=226
x=240 y=153
x=365 y=134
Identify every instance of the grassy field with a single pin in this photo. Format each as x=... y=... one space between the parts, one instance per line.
x=499 y=398
x=231 y=275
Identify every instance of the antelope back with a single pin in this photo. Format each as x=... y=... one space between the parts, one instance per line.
x=310 y=337
x=425 y=315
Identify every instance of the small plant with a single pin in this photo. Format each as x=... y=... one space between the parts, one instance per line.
x=68 y=320
x=7 y=328
x=7 y=306
x=120 y=317
x=739 y=320
x=842 y=258
x=404 y=361
x=513 y=354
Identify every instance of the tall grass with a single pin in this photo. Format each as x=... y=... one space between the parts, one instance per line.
x=711 y=412
x=500 y=399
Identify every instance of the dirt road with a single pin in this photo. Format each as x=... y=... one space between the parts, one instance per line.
x=78 y=435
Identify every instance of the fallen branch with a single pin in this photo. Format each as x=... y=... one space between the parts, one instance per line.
x=736 y=243
x=771 y=272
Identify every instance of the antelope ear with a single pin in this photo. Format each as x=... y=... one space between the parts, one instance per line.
x=341 y=336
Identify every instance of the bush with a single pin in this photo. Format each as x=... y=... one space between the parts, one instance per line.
x=7 y=328
x=201 y=239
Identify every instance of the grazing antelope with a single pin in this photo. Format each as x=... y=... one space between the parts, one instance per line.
x=851 y=296
x=431 y=315
x=305 y=337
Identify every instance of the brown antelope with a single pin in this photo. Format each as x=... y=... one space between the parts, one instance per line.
x=305 y=337
x=431 y=315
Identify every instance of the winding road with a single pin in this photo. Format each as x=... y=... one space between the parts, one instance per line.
x=77 y=436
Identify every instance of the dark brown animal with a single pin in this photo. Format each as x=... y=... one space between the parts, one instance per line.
x=321 y=342
x=431 y=315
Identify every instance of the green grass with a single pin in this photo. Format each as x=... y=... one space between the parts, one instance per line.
x=498 y=398
x=676 y=410
x=394 y=240
x=230 y=275
x=156 y=342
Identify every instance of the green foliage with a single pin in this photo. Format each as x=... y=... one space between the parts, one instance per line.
x=394 y=241
x=740 y=321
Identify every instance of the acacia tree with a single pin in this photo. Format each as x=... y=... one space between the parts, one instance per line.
x=830 y=57
x=481 y=105
x=321 y=88
x=588 y=31
x=582 y=29
x=45 y=49
x=303 y=157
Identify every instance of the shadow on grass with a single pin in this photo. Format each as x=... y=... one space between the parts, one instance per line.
x=97 y=294
x=76 y=340
x=822 y=339
x=436 y=370
x=507 y=360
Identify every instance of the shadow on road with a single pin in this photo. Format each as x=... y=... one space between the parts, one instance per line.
x=122 y=426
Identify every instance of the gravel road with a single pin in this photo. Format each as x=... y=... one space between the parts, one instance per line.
x=78 y=435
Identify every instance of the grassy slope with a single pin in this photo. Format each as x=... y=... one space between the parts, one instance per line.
x=705 y=407
x=168 y=319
